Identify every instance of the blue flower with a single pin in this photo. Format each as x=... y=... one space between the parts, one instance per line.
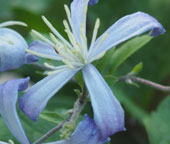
x=76 y=56
x=8 y=98
x=86 y=132
x=12 y=48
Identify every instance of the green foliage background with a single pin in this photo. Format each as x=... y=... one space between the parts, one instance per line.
x=147 y=110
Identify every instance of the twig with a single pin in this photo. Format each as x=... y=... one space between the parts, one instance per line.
x=52 y=131
x=78 y=107
x=145 y=82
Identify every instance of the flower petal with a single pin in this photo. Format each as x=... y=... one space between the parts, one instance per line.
x=86 y=133
x=12 y=49
x=78 y=14
x=126 y=28
x=92 y=2
x=43 y=50
x=108 y=113
x=8 y=97
x=36 y=98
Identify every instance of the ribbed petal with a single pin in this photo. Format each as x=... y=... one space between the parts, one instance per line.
x=86 y=133
x=77 y=10
x=108 y=113
x=43 y=49
x=12 y=49
x=126 y=28
x=92 y=2
x=8 y=98
x=36 y=98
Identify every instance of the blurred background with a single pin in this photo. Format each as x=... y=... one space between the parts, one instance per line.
x=147 y=117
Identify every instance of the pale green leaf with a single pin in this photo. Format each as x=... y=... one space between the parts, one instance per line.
x=126 y=50
x=52 y=117
x=136 y=69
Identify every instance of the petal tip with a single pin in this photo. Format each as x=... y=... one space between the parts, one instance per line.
x=157 y=31
x=24 y=84
x=24 y=109
x=157 y=28
x=92 y=2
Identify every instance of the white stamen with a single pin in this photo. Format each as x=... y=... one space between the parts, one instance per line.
x=84 y=16
x=70 y=35
x=10 y=23
x=55 y=40
x=83 y=41
x=69 y=65
x=54 y=67
x=70 y=20
x=42 y=55
x=40 y=36
x=104 y=37
x=95 y=31
x=53 y=72
x=55 y=31
x=97 y=57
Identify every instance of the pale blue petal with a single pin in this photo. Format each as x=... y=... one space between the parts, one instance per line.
x=126 y=28
x=43 y=49
x=92 y=2
x=36 y=98
x=12 y=49
x=77 y=8
x=86 y=132
x=8 y=98
x=108 y=113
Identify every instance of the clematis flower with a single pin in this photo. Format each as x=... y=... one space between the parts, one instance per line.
x=8 y=98
x=12 y=48
x=77 y=55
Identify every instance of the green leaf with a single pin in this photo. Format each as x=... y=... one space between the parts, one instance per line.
x=52 y=117
x=136 y=69
x=158 y=124
x=126 y=50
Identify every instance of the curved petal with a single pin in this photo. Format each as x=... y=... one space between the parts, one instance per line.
x=126 y=28
x=42 y=49
x=86 y=133
x=36 y=98
x=78 y=16
x=108 y=113
x=92 y=2
x=12 y=49
x=8 y=98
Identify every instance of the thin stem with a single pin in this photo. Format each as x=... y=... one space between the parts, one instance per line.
x=145 y=82
x=79 y=104
x=78 y=107
x=52 y=131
